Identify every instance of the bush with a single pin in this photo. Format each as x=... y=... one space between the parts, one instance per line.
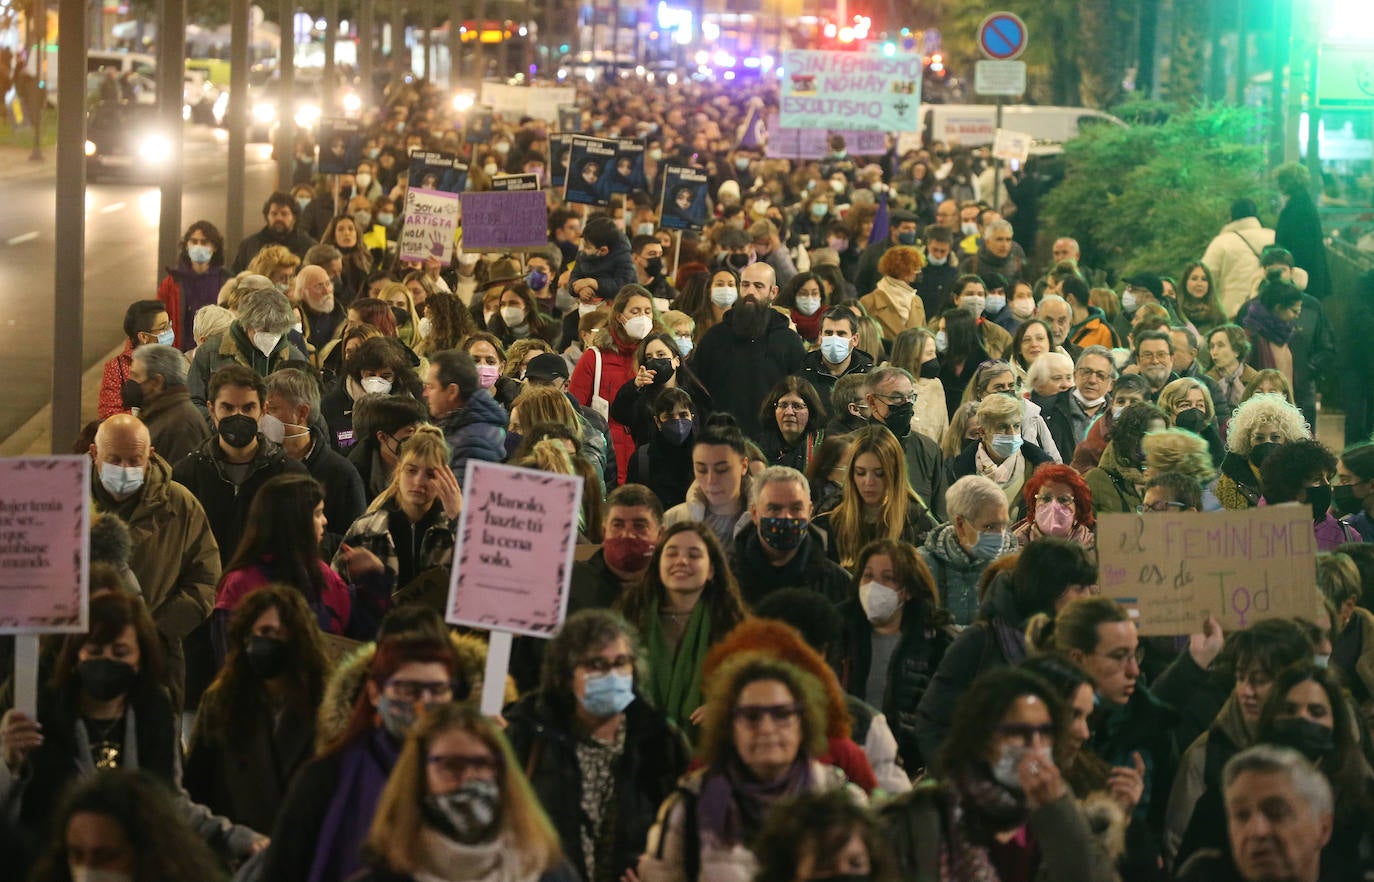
x=1150 y=197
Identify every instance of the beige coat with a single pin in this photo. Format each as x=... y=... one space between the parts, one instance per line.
x=887 y=302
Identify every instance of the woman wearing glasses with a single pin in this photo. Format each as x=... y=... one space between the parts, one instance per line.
x=600 y=758
x=1002 y=809
x=1058 y=503
x=764 y=725
x=878 y=502
x=792 y=418
x=326 y=815
x=457 y=809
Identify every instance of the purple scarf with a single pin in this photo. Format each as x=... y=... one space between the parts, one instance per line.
x=1260 y=320
x=732 y=803
x=365 y=766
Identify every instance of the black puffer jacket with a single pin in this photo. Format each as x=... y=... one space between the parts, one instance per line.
x=655 y=756
x=740 y=372
x=909 y=674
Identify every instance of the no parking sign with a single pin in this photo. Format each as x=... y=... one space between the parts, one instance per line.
x=1002 y=36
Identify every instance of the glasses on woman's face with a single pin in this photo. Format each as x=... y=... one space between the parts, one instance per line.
x=1159 y=507
x=752 y=715
x=419 y=690
x=798 y=406
x=600 y=664
x=1045 y=499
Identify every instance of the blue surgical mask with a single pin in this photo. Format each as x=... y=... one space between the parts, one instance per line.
x=941 y=341
x=988 y=544
x=906 y=238
x=120 y=481
x=302 y=201
x=819 y=209
x=385 y=218
x=167 y=337
x=684 y=344
x=536 y=279
x=1006 y=445
x=996 y=303
x=200 y=253
x=835 y=349
x=608 y=694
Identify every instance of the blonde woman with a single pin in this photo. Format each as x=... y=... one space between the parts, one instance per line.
x=1184 y=453
x=551 y=447
x=878 y=503
x=409 y=528
x=1001 y=453
x=399 y=296
x=457 y=808
x=536 y=405
x=278 y=264
x=914 y=351
x=963 y=428
x=1188 y=404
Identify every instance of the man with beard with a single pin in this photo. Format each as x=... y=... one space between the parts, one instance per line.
x=1154 y=360
x=322 y=311
x=279 y=212
x=740 y=359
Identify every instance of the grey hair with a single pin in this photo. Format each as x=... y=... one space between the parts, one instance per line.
x=1188 y=334
x=586 y=631
x=884 y=375
x=1053 y=298
x=1041 y=367
x=296 y=386
x=233 y=292
x=1100 y=352
x=777 y=474
x=999 y=225
x=211 y=320
x=267 y=310
x=166 y=362
x=970 y=494
x=1071 y=240
x=1310 y=783
x=321 y=254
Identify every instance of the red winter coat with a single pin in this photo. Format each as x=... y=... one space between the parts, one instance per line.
x=617 y=368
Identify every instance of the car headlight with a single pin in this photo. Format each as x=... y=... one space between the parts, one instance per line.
x=90 y=148
x=307 y=115
x=221 y=105
x=154 y=148
x=352 y=103
x=264 y=112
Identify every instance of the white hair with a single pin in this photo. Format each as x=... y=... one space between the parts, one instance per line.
x=1310 y=783
x=1266 y=407
x=971 y=494
x=1040 y=368
x=162 y=361
x=777 y=474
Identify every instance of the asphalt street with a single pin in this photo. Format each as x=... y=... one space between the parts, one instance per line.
x=120 y=254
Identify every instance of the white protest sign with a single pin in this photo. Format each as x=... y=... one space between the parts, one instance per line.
x=431 y=222
x=1010 y=146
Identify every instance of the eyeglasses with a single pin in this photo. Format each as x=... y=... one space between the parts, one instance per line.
x=1025 y=732
x=602 y=665
x=897 y=399
x=457 y=765
x=1090 y=374
x=1123 y=655
x=753 y=714
x=1045 y=499
x=417 y=690
x=792 y=405
x=1159 y=507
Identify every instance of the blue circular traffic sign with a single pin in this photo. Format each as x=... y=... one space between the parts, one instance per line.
x=1002 y=36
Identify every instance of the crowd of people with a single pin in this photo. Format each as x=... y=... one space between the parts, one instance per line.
x=835 y=613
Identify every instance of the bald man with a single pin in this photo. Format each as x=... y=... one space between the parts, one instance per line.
x=174 y=552
x=753 y=347
x=321 y=312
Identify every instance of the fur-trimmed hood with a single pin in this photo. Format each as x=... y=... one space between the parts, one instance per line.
x=346 y=682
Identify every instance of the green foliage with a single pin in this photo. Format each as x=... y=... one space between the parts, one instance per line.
x=1150 y=197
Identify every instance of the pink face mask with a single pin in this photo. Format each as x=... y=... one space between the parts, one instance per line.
x=1053 y=518
x=487 y=375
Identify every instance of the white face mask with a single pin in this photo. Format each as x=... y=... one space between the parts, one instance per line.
x=84 y=873
x=880 y=603
x=1023 y=308
x=375 y=385
x=808 y=304
x=513 y=316
x=364 y=180
x=974 y=303
x=584 y=308
x=120 y=481
x=969 y=229
x=724 y=297
x=1006 y=771
x=489 y=169
x=265 y=342
x=425 y=328
x=639 y=327
x=467 y=259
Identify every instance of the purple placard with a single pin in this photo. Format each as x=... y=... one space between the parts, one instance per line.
x=811 y=143
x=494 y=221
x=44 y=544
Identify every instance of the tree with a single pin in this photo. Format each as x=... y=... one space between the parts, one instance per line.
x=1102 y=25
x=1051 y=49
x=1151 y=196
x=1188 y=58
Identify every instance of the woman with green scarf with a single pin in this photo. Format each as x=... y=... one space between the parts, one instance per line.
x=686 y=602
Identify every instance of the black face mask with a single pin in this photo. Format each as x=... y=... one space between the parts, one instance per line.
x=1260 y=452
x=662 y=368
x=898 y=419
x=1344 y=499
x=131 y=393
x=930 y=369
x=1320 y=500
x=267 y=656
x=1191 y=419
x=238 y=430
x=654 y=267
x=1312 y=740
x=104 y=679
x=738 y=261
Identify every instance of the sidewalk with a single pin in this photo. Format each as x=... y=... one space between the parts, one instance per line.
x=15 y=162
x=34 y=438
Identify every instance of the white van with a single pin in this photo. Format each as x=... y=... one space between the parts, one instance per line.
x=973 y=125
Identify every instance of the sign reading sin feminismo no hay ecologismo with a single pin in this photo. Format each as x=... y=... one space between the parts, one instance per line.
x=850 y=90
x=1240 y=566
x=44 y=544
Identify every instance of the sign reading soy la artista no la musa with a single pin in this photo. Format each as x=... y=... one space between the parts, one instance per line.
x=431 y=221
x=1177 y=569
x=850 y=90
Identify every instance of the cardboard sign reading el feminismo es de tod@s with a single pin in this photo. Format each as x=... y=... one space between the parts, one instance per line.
x=1177 y=569
x=516 y=538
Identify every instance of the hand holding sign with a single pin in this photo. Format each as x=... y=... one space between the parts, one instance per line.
x=19 y=735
